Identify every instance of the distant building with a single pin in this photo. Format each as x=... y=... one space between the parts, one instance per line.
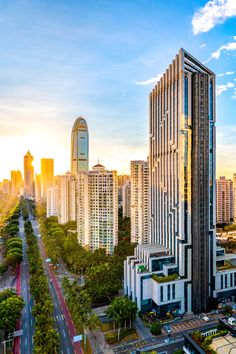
x=224 y=201
x=79 y=147
x=28 y=176
x=234 y=196
x=16 y=182
x=52 y=201
x=140 y=203
x=97 y=209
x=66 y=198
x=37 y=187
x=47 y=175
x=122 y=180
x=6 y=186
x=126 y=199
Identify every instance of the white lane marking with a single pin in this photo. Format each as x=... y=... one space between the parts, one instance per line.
x=64 y=333
x=57 y=318
x=25 y=340
x=68 y=350
x=32 y=339
x=31 y=321
x=25 y=324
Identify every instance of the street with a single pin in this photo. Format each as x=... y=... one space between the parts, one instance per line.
x=64 y=323
x=27 y=320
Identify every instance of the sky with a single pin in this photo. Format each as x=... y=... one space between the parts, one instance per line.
x=100 y=59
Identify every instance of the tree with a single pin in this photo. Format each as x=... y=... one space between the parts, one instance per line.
x=121 y=310
x=10 y=312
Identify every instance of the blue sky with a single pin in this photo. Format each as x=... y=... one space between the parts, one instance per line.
x=100 y=59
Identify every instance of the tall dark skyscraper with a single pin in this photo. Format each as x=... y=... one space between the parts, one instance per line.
x=79 y=146
x=182 y=268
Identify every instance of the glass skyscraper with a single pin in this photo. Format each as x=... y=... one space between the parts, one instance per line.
x=79 y=146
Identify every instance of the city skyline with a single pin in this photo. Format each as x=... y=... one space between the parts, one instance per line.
x=54 y=70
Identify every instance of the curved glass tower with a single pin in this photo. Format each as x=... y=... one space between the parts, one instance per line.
x=79 y=146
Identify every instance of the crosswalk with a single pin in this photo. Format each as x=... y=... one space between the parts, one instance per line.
x=179 y=327
x=59 y=318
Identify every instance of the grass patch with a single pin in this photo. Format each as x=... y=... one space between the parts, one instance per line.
x=127 y=334
x=107 y=326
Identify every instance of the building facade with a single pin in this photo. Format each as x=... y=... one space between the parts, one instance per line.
x=224 y=201
x=97 y=209
x=28 y=176
x=66 y=198
x=126 y=199
x=140 y=202
x=52 y=201
x=47 y=176
x=79 y=147
x=183 y=250
x=16 y=182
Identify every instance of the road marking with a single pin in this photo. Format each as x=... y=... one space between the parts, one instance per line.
x=64 y=333
x=25 y=341
x=25 y=324
x=68 y=350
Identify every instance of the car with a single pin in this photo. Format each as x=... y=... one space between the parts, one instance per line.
x=167 y=328
x=205 y=318
x=39 y=235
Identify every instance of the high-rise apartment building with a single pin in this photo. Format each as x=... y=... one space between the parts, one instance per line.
x=140 y=202
x=122 y=180
x=182 y=269
x=66 y=198
x=97 y=209
x=224 y=201
x=6 y=186
x=16 y=182
x=126 y=199
x=79 y=147
x=234 y=196
x=28 y=176
x=52 y=201
x=47 y=175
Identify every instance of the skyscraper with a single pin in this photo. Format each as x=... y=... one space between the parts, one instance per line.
x=28 y=175
x=16 y=182
x=234 y=196
x=79 y=147
x=182 y=267
x=52 y=201
x=140 y=209
x=97 y=209
x=47 y=175
x=126 y=199
x=224 y=201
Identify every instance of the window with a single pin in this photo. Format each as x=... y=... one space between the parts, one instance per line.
x=168 y=292
x=161 y=293
x=222 y=281
x=173 y=291
x=231 y=280
x=225 y=280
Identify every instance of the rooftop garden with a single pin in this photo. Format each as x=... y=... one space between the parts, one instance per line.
x=226 y=265
x=165 y=279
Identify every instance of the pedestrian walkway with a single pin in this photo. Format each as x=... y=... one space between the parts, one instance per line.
x=143 y=331
x=98 y=342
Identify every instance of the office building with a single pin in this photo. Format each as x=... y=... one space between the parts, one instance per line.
x=66 y=198
x=234 y=196
x=6 y=186
x=140 y=202
x=181 y=270
x=224 y=201
x=16 y=182
x=47 y=175
x=97 y=209
x=79 y=147
x=28 y=176
x=126 y=199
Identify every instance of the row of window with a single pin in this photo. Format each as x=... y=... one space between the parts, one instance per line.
x=168 y=292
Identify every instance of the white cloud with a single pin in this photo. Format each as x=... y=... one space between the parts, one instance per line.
x=223 y=87
x=234 y=94
x=226 y=73
x=153 y=80
x=203 y=45
x=214 y=12
x=229 y=47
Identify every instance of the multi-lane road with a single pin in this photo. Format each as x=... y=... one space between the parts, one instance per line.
x=63 y=321
x=27 y=320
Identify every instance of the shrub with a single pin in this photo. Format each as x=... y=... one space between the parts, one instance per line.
x=155 y=328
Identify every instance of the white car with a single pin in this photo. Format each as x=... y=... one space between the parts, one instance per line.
x=205 y=318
